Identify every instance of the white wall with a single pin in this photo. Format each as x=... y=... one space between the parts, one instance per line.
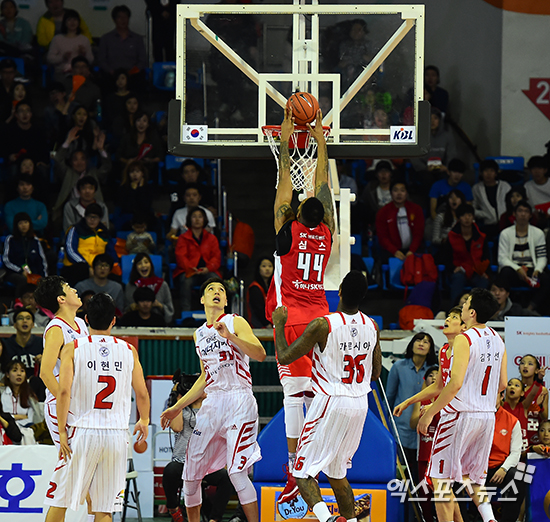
x=525 y=129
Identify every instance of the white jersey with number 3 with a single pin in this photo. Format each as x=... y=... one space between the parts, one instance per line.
x=101 y=394
x=344 y=367
x=69 y=335
x=481 y=382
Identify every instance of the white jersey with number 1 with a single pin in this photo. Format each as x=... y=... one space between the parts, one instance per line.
x=481 y=381
x=102 y=386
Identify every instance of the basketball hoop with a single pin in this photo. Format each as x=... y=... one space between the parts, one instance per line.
x=302 y=148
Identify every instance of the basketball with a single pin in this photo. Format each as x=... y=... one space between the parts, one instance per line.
x=140 y=446
x=304 y=107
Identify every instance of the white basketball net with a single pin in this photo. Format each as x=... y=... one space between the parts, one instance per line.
x=303 y=162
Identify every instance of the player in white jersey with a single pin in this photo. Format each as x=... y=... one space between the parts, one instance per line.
x=346 y=357
x=464 y=436
x=55 y=294
x=96 y=378
x=227 y=423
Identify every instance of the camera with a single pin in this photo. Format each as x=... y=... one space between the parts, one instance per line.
x=183 y=382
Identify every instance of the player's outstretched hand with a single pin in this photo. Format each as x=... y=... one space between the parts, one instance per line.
x=287 y=127
x=280 y=315
x=64 y=449
x=167 y=416
x=424 y=422
x=222 y=329
x=317 y=131
x=400 y=408
x=143 y=430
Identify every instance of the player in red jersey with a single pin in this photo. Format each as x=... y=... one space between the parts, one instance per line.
x=304 y=242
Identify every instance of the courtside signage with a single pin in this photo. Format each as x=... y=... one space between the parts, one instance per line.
x=402 y=134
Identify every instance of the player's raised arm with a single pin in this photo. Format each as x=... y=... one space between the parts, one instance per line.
x=142 y=398
x=66 y=376
x=243 y=337
x=53 y=343
x=190 y=397
x=322 y=191
x=316 y=332
x=283 y=198
x=503 y=372
x=433 y=390
x=461 y=356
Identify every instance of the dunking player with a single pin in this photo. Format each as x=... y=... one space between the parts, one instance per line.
x=464 y=435
x=96 y=378
x=451 y=329
x=346 y=357
x=304 y=242
x=227 y=423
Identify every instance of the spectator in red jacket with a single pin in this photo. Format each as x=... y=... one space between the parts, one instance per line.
x=468 y=254
x=400 y=224
x=198 y=255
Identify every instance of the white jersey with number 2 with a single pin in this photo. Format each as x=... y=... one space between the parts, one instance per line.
x=480 y=387
x=101 y=394
x=344 y=367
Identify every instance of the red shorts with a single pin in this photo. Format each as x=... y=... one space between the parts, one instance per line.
x=301 y=367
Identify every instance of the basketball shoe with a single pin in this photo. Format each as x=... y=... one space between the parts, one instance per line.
x=291 y=489
x=337 y=518
x=177 y=515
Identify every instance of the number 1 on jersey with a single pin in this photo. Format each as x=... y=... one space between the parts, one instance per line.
x=304 y=263
x=485 y=383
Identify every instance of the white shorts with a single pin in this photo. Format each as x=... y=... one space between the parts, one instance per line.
x=461 y=446
x=224 y=435
x=98 y=466
x=295 y=385
x=50 y=416
x=331 y=435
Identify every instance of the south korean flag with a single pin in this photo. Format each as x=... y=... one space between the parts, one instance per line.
x=198 y=133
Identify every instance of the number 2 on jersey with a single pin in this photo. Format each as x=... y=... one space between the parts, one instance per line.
x=352 y=365
x=304 y=263
x=485 y=383
x=100 y=402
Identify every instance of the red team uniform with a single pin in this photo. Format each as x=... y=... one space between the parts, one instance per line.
x=341 y=377
x=227 y=423
x=465 y=432
x=300 y=262
x=69 y=335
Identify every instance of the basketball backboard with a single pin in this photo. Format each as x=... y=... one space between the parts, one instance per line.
x=238 y=63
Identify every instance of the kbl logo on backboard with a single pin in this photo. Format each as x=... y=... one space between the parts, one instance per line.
x=402 y=134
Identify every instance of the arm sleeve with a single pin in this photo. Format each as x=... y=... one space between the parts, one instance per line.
x=214 y=260
x=541 y=258
x=504 y=258
x=6 y=257
x=392 y=385
x=12 y=431
x=165 y=297
x=515 y=448
x=26 y=32
x=55 y=55
x=42 y=223
x=43 y=34
x=71 y=247
x=418 y=230
x=436 y=231
x=43 y=258
x=382 y=232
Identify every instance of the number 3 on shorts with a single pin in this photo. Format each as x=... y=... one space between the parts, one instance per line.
x=299 y=464
x=243 y=463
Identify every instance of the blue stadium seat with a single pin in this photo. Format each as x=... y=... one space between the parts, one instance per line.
x=19 y=64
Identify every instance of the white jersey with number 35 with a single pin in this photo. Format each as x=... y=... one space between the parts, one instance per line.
x=344 y=367
x=101 y=394
x=481 y=382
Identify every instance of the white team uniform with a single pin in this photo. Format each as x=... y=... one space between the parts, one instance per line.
x=227 y=423
x=341 y=376
x=69 y=335
x=464 y=434
x=100 y=402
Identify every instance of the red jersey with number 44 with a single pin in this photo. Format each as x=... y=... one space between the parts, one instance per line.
x=101 y=394
x=299 y=275
x=344 y=367
x=480 y=386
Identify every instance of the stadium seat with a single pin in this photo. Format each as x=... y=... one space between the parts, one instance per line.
x=164 y=74
x=19 y=63
x=514 y=164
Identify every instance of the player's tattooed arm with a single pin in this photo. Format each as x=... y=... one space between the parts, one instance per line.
x=324 y=195
x=315 y=332
x=282 y=210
